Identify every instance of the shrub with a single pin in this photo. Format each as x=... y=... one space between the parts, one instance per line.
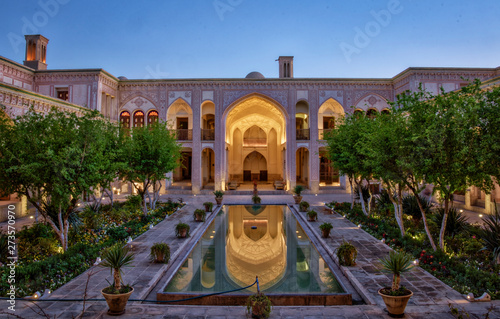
x=347 y=253
x=219 y=193
x=490 y=235
x=312 y=215
x=160 y=253
x=208 y=206
x=298 y=189
x=180 y=227
x=304 y=206
x=256 y=199
x=455 y=223
x=259 y=305
x=410 y=206
x=199 y=212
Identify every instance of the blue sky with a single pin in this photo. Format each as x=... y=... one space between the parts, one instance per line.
x=230 y=38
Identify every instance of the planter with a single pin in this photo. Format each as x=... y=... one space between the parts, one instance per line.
x=183 y=233
x=325 y=233
x=395 y=304
x=218 y=200
x=116 y=302
x=199 y=218
x=298 y=199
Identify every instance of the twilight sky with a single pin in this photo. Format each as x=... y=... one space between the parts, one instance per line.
x=230 y=38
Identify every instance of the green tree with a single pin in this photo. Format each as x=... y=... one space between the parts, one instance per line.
x=446 y=142
x=149 y=153
x=344 y=150
x=382 y=150
x=52 y=159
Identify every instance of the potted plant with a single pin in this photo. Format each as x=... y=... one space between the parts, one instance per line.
x=303 y=206
x=259 y=305
x=298 y=190
x=256 y=199
x=160 y=253
x=347 y=254
x=218 y=196
x=208 y=206
x=115 y=258
x=325 y=229
x=199 y=215
x=182 y=230
x=396 y=297
x=312 y=215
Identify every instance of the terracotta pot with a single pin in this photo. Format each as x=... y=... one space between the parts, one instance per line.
x=325 y=233
x=199 y=218
x=183 y=233
x=311 y=219
x=207 y=209
x=396 y=305
x=298 y=199
x=218 y=200
x=116 y=302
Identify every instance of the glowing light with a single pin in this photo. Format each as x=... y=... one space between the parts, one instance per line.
x=78 y=204
x=151 y=226
x=299 y=236
x=382 y=240
x=480 y=215
x=213 y=231
x=129 y=240
x=359 y=226
x=415 y=262
x=297 y=231
x=37 y=295
x=315 y=194
x=211 y=237
x=31 y=217
x=461 y=210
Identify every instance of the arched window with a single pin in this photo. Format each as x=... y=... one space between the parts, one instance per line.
x=139 y=119
x=125 y=119
x=152 y=117
x=371 y=113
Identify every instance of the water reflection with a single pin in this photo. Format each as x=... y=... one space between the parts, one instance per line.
x=247 y=241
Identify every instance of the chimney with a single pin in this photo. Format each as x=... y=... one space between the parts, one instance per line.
x=36 y=51
x=286 y=66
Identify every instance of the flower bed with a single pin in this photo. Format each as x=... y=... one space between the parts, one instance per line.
x=41 y=265
x=464 y=266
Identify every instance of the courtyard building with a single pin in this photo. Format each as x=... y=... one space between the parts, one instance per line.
x=234 y=130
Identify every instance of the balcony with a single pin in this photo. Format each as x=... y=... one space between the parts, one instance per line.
x=184 y=134
x=208 y=135
x=303 y=134
x=323 y=132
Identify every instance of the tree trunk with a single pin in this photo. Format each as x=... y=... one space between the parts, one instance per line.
x=352 y=192
x=443 y=222
x=424 y=216
x=110 y=195
x=396 y=279
x=117 y=279
x=398 y=207
x=362 y=200
x=369 y=198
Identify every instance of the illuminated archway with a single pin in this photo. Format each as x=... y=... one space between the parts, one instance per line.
x=255 y=123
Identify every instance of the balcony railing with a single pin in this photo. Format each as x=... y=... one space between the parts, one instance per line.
x=184 y=134
x=303 y=134
x=208 y=135
x=323 y=132
x=254 y=142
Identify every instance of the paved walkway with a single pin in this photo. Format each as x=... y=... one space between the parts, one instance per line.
x=430 y=300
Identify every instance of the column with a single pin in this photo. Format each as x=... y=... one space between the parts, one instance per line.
x=196 y=178
x=468 y=199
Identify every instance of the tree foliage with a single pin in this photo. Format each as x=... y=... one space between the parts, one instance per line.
x=53 y=159
x=149 y=153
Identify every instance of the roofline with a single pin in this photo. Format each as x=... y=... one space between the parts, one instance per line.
x=456 y=69
x=41 y=96
x=78 y=70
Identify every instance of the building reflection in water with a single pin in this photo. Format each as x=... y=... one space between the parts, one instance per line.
x=248 y=241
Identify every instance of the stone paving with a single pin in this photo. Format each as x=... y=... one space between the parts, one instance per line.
x=430 y=300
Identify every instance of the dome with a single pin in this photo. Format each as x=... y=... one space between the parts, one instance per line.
x=255 y=75
x=122 y=78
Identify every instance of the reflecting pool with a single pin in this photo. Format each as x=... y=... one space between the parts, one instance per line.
x=243 y=242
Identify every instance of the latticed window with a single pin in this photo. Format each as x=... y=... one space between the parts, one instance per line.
x=152 y=117
x=139 y=119
x=125 y=119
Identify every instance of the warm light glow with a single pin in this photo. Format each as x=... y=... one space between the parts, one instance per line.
x=213 y=231
x=299 y=236
x=359 y=226
x=480 y=215
x=211 y=237
x=31 y=217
